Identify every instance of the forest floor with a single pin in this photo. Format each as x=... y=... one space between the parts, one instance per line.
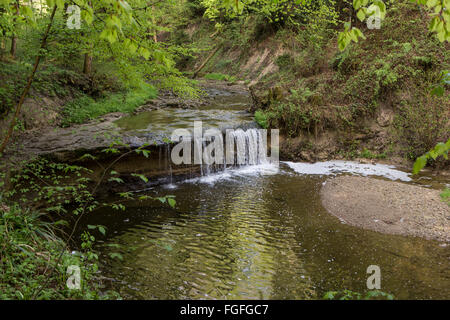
x=388 y=207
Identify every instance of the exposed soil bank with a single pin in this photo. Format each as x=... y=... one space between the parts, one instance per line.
x=387 y=207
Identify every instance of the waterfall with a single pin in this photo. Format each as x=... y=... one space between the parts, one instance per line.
x=170 y=163
x=207 y=156
x=212 y=152
x=198 y=153
x=250 y=147
x=240 y=141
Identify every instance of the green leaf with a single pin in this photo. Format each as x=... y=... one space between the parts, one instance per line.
x=87 y=156
x=420 y=163
x=171 y=202
x=125 y=6
x=141 y=176
x=441 y=149
x=438 y=91
x=115 y=179
x=102 y=230
x=88 y=15
x=144 y=52
x=330 y=295
x=162 y=199
x=115 y=255
x=361 y=15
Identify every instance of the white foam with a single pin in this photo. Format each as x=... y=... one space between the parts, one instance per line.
x=170 y=186
x=256 y=170
x=336 y=167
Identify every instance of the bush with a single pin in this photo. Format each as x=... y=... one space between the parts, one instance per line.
x=293 y=118
x=261 y=119
x=421 y=124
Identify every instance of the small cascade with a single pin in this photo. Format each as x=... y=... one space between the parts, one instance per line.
x=170 y=164
x=250 y=147
x=252 y=142
x=240 y=141
x=220 y=153
x=206 y=159
x=262 y=146
x=198 y=154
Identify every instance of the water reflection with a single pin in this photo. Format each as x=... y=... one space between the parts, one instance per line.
x=258 y=236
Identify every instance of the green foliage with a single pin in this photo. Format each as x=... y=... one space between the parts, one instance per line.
x=285 y=61
x=349 y=35
x=421 y=124
x=370 y=155
x=395 y=68
x=293 y=118
x=28 y=245
x=117 y=37
x=441 y=149
x=52 y=82
x=438 y=89
x=437 y=9
x=440 y=23
x=352 y=295
x=445 y=195
x=261 y=119
x=34 y=258
x=86 y=108
x=219 y=77
x=274 y=11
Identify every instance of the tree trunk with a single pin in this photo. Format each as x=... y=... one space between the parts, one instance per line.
x=87 y=67
x=13 y=46
x=155 y=37
x=205 y=62
x=14 y=37
x=29 y=82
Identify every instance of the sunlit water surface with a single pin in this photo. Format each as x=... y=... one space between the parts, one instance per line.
x=258 y=233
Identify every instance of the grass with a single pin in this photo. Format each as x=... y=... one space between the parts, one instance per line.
x=445 y=195
x=220 y=77
x=28 y=245
x=86 y=108
x=29 y=249
x=370 y=155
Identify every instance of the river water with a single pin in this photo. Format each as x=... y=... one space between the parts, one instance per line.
x=258 y=232
x=253 y=234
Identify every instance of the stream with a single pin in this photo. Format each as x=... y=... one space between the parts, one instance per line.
x=254 y=231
